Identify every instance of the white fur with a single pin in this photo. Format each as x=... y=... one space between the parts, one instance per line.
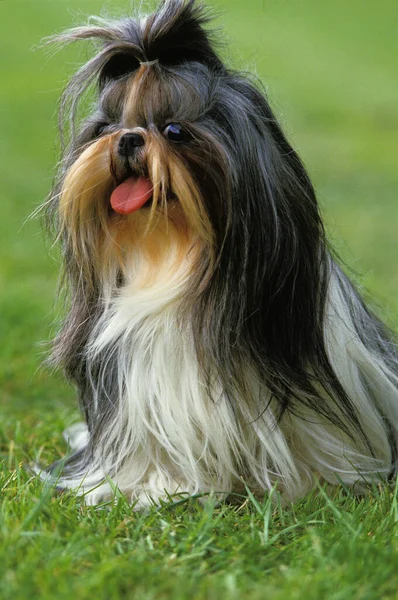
x=172 y=438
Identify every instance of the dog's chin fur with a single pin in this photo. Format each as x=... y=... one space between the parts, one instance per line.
x=214 y=342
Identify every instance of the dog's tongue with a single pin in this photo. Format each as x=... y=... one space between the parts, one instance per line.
x=131 y=195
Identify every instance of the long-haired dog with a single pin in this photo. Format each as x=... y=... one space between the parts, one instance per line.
x=212 y=337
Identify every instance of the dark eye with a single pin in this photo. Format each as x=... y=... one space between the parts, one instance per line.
x=176 y=133
x=100 y=128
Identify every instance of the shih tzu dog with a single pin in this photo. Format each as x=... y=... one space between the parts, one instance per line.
x=213 y=339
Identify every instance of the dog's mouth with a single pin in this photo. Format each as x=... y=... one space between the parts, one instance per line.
x=131 y=194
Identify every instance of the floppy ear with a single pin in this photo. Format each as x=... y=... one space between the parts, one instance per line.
x=283 y=234
x=275 y=239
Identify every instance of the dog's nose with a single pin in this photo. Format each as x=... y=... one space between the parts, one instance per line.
x=129 y=142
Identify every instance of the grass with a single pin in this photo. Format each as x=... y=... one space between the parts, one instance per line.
x=331 y=73
x=322 y=547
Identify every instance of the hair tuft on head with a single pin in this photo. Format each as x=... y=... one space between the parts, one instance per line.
x=176 y=33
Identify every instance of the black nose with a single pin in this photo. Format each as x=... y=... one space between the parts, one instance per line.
x=129 y=142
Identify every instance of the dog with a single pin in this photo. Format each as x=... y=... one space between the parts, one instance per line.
x=212 y=336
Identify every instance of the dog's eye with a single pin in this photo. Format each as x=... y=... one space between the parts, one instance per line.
x=100 y=128
x=176 y=133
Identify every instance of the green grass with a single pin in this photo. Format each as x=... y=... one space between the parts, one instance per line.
x=339 y=547
x=330 y=69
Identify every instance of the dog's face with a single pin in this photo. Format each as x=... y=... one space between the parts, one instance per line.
x=152 y=162
x=177 y=144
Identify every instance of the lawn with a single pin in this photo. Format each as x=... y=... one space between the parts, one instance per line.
x=330 y=70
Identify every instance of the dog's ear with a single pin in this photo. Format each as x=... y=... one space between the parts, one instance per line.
x=273 y=244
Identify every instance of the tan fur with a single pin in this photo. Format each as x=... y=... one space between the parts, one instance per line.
x=110 y=242
x=143 y=241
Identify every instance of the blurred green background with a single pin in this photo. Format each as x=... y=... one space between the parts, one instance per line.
x=331 y=73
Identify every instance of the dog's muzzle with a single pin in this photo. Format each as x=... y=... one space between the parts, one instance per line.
x=128 y=144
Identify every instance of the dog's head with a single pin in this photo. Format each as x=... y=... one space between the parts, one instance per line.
x=155 y=157
x=176 y=140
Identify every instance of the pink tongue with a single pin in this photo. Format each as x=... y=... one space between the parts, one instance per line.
x=131 y=195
